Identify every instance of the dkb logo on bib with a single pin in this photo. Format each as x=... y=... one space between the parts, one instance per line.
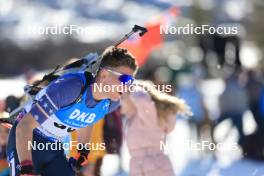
x=82 y=116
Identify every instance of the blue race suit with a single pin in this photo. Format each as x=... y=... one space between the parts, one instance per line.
x=58 y=114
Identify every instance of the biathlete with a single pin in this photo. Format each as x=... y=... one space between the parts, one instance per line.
x=55 y=113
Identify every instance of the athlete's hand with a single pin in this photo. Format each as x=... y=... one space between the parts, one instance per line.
x=72 y=163
x=77 y=161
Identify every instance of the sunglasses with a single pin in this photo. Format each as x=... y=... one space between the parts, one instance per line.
x=123 y=78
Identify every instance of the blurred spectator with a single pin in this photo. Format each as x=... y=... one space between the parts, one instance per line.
x=233 y=103
x=3 y=142
x=253 y=145
x=113 y=132
x=255 y=92
x=189 y=91
x=205 y=43
x=227 y=13
x=151 y=115
x=220 y=46
x=2 y=108
x=12 y=103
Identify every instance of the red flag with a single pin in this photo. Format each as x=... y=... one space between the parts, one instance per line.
x=142 y=47
x=153 y=39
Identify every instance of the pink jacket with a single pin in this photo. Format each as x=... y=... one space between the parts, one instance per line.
x=143 y=137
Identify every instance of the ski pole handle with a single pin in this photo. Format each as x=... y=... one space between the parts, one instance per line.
x=134 y=30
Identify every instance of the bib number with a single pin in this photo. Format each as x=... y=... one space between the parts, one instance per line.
x=63 y=127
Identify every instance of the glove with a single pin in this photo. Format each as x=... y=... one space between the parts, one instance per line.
x=26 y=168
x=80 y=158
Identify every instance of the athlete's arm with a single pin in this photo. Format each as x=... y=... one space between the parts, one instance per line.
x=84 y=136
x=24 y=133
x=58 y=94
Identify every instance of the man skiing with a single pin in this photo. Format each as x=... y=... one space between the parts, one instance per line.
x=68 y=103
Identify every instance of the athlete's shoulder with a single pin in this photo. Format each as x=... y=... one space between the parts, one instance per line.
x=66 y=89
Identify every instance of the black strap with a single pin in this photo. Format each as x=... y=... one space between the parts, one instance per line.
x=89 y=80
x=76 y=64
x=49 y=77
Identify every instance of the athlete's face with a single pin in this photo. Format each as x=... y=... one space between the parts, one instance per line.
x=110 y=80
